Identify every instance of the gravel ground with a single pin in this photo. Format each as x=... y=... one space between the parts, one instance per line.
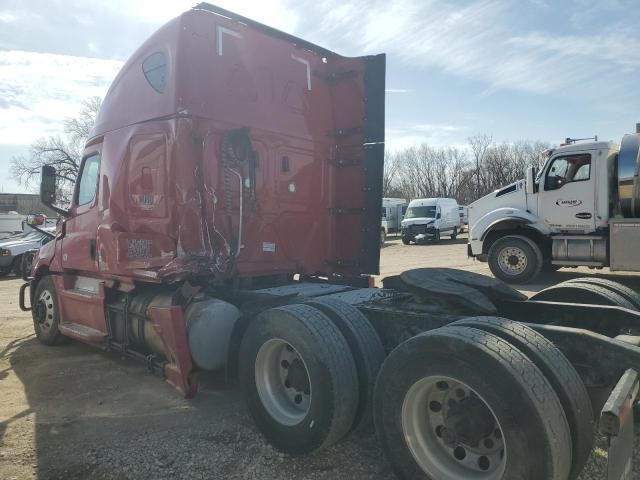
x=73 y=412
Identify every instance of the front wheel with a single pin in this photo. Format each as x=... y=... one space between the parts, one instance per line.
x=454 y=234
x=515 y=259
x=406 y=240
x=45 y=313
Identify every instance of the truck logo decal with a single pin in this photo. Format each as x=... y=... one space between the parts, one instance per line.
x=568 y=203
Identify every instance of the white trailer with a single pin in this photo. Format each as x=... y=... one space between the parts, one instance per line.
x=393 y=210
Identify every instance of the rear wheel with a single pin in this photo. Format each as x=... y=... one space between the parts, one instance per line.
x=454 y=234
x=299 y=378
x=559 y=372
x=45 y=313
x=383 y=237
x=366 y=348
x=515 y=259
x=460 y=403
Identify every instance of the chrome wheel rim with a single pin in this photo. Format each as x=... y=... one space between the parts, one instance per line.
x=45 y=312
x=451 y=431
x=512 y=260
x=283 y=382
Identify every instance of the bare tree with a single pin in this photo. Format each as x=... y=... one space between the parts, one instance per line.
x=479 y=145
x=64 y=154
x=389 y=175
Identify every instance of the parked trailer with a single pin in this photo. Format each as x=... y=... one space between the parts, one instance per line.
x=393 y=210
x=228 y=157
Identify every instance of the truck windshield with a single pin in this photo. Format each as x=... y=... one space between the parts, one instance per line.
x=421 y=212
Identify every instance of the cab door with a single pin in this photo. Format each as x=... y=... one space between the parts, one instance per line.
x=79 y=240
x=566 y=202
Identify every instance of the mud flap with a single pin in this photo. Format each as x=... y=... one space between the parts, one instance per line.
x=617 y=424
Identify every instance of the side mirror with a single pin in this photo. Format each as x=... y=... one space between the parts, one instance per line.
x=48 y=185
x=36 y=220
x=438 y=215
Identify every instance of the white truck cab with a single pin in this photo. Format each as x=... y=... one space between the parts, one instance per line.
x=427 y=219
x=558 y=216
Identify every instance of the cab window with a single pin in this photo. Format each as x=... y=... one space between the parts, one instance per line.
x=571 y=168
x=88 y=182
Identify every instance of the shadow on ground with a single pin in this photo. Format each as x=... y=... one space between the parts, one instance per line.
x=103 y=416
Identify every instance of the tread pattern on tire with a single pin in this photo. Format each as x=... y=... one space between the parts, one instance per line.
x=338 y=358
x=626 y=292
x=605 y=293
x=531 y=379
x=567 y=384
x=366 y=348
x=523 y=371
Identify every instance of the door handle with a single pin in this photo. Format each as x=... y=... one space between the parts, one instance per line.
x=92 y=248
x=584 y=215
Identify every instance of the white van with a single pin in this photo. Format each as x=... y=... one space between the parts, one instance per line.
x=427 y=219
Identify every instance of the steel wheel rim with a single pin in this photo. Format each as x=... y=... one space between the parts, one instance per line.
x=283 y=382
x=512 y=260
x=45 y=312
x=435 y=422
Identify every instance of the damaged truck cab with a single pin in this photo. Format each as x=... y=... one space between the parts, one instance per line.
x=222 y=154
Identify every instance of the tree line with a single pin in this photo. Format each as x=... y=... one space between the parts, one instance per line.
x=464 y=173
x=421 y=171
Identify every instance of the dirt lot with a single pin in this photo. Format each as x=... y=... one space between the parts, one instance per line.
x=74 y=412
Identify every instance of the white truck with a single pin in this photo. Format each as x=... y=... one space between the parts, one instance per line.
x=393 y=210
x=582 y=208
x=427 y=219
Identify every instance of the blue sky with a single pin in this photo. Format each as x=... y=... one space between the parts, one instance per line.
x=513 y=69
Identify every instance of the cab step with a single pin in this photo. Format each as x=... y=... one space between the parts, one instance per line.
x=81 y=332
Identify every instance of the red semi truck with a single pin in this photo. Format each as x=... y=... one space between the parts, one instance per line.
x=225 y=217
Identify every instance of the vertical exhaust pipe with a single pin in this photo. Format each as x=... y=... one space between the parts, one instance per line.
x=637 y=127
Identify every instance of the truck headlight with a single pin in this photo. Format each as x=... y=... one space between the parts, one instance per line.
x=4 y=252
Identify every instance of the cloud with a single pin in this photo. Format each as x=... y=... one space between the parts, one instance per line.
x=400 y=136
x=39 y=90
x=504 y=44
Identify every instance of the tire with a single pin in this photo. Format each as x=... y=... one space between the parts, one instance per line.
x=560 y=373
x=462 y=364
x=628 y=293
x=436 y=237
x=582 y=293
x=366 y=348
x=454 y=234
x=27 y=262
x=16 y=267
x=406 y=240
x=45 y=313
x=320 y=410
x=525 y=252
x=383 y=238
